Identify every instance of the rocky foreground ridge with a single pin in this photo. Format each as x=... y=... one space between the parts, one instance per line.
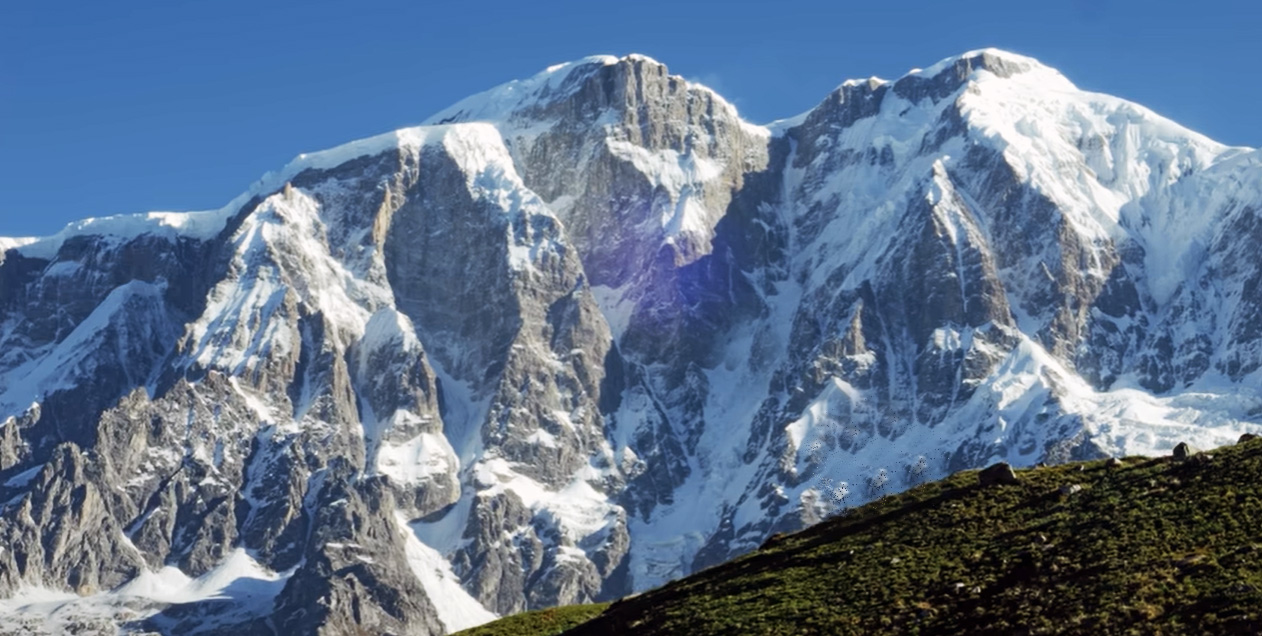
x=588 y=332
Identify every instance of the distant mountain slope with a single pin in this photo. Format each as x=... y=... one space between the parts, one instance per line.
x=1150 y=546
x=589 y=332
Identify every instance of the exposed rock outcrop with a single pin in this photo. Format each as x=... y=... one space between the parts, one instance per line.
x=997 y=475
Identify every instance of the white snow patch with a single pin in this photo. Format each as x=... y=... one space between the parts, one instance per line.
x=543 y=438
x=579 y=508
x=457 y=609
x=239 y=578
x=502 y=101
x=617 y=306
x=445 y=534
x=417 y=460
x=387 y=330
x=13 y=242
x=124 y=227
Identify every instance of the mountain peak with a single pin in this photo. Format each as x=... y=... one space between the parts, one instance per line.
x=554 y=82
x=996 y=61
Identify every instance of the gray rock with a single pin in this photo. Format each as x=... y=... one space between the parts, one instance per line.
x=1184 y=451
x=60 y=534
x=1070 y=489
x=997 y=474
x=354 y=577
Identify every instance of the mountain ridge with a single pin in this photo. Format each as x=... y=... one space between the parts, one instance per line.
x=595 y=332
x=335 y=155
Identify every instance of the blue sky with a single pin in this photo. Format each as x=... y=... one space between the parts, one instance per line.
x=116 y=107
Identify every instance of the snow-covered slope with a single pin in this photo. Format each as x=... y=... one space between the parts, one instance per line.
x=590 y=331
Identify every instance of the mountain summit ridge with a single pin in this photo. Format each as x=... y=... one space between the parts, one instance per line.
x=593 y=332
x=371 y=145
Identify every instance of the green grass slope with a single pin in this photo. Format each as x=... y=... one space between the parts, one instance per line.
x=1150 y=546
x=549 y=622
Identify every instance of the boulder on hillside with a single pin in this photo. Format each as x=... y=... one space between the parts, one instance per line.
x=1247 y=437
x=1184 y=451
x=1000 y=473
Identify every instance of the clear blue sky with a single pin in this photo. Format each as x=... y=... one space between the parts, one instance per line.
x=114 y=107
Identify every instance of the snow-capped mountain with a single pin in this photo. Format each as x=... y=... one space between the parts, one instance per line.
x=590 y=331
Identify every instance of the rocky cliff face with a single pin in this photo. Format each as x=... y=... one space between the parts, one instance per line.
x=590 y=331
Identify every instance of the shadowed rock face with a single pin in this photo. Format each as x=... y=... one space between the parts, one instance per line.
x=591 y=331
x=997 y=475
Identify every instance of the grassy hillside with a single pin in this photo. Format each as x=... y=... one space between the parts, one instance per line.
x=1147 y=546
x=1150 y=546
x=547 y=622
